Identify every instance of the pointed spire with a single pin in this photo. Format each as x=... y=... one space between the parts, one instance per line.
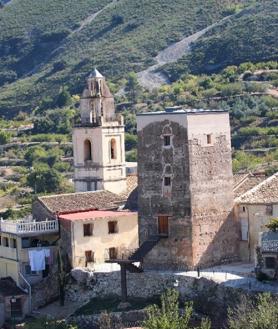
x=95 y=74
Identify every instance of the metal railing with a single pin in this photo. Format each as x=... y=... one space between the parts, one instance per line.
x=27 y=227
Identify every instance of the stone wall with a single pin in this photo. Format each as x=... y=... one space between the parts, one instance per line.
x=210 y=298
x=199 y=200
x=154 y=162
x=215 y=232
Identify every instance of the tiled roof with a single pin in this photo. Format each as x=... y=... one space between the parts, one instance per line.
x=81 y=201
x=131 y=184
x=245 y=182
x=93 y=214
x=264 y=193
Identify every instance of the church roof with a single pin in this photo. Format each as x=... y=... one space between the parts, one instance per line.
x=264 y=193
x=95 y=74
x=81 y=201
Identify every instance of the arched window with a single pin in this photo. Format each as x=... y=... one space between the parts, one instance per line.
x=87 y=150
x=113 y=149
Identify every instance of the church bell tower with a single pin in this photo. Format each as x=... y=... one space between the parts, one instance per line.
x=98 y=140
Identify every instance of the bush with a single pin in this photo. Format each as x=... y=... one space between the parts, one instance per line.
x=168 y=316
x=259 y=314
x=5 y=137
x=273 y=225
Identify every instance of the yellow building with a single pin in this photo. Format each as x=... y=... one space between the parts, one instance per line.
x=92 y=237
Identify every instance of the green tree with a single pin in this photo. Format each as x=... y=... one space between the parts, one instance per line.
x=5 y=137
x=130 y=141
x=44 y=179
x=259 y=314
x=168 y=315
x=64 y=98
x=133 y=87
x=273 y=225
x=34 y=154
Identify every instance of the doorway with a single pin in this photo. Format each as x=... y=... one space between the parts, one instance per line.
x=163 y=225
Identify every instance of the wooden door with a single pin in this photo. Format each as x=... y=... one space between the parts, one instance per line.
x=163 y=225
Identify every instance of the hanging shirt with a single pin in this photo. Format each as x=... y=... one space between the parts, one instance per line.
x=37 y=260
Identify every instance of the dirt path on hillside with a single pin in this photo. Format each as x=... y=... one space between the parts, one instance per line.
x=151 y=79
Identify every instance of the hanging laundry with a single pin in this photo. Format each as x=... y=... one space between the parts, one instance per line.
x=37 y=260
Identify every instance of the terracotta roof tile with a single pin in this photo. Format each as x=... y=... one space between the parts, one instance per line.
x=245 y=182
x=264 y=193
x=81 y=201
x=131 y=184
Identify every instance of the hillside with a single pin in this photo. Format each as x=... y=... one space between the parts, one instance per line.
x=250 y=35
x=45 y=45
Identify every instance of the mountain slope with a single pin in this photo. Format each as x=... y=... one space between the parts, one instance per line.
x=251 y=35
x=48 y=44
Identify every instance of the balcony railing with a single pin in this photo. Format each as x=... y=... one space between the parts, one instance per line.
x=29 y=227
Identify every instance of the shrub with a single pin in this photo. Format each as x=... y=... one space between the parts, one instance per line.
x=259 y=314
x=168 y=316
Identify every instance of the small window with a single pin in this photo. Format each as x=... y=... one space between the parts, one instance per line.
x=112 y=227
x=270 y=262
x=269 y=210
x=13 y=243
x=0 y=240
x=167 y=181
x=87 y=150
x=88 y=229
x=89 y=257
x=112 y=253
x=5 y=242
x=113 y=150
x=243 y=209
x=167 y=140
x=209 y=139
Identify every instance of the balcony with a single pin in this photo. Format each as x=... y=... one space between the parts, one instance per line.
x=29 y=227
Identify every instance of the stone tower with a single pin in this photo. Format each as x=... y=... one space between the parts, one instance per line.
x=98 y=140
x=185 y=188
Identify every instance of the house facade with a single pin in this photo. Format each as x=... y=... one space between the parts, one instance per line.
x=28 y=261
x=92 y=237
x=253 y=210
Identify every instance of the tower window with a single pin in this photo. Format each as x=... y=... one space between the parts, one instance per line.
x=87 y=150
x=270 y=262
x=167 y=140
x=113 y=149
x=167 y=181
x=209 y=139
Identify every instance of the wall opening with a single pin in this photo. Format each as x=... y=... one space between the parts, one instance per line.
x=209 y=140
x=113 y=149
x=87 y=150
x=88 y=229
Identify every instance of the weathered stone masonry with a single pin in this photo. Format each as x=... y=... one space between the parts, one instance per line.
x=199 y=199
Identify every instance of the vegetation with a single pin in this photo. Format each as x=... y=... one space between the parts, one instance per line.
x=60 y=48
x=260 y=314
x=168 y=315
x=44 y=323
x=273 y=225
x=249 y=35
